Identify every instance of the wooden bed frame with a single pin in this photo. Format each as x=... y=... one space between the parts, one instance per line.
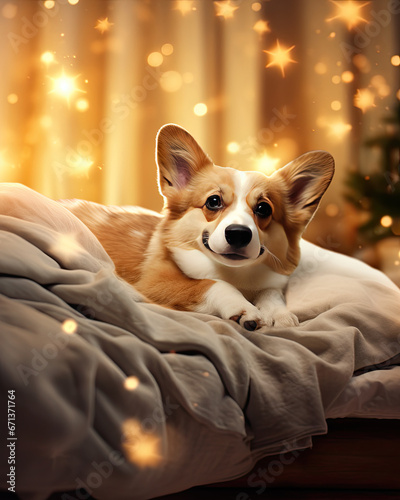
x=359 y=459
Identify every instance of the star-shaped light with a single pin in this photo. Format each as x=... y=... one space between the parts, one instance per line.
x=64 y=86
x=184 y=6
x=364 y=99
x=261 y=27
x=141 y=448
x=103 y=25
x=280 y=57
x=349 y=12
x=225 y=9
x=266 y=163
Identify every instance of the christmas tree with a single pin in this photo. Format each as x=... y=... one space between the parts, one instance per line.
x=377 y=196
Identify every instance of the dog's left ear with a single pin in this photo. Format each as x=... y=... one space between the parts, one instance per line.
x=178 y=157
x=306 y=179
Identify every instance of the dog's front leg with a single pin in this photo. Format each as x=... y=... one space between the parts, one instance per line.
x=171 y=288
x=225 y=301
x=272 y=305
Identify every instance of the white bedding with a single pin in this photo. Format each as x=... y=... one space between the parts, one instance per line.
x=207 y=398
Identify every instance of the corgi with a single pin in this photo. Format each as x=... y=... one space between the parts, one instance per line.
x=226 y=241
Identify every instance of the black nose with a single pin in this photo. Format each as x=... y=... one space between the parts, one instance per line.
x=238 y=236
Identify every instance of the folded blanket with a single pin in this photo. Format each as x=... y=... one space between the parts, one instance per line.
x=130 y=400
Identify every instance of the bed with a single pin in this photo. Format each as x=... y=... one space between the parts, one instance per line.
x=128 y=400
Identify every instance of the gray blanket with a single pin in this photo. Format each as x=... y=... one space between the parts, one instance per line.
x=130 y=401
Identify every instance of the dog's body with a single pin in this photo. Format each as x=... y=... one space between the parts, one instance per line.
x=227 y=240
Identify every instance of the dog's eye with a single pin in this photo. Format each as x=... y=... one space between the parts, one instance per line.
x=214 y=202
x=263 y=210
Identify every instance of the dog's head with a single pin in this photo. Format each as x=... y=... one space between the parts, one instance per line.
x=237 y=218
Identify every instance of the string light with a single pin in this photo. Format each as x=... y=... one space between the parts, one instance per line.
x=364 y=99
x=64 y=86
x=155 y=59
x=261 y=27
x=47 y=57
x=347 y=76
x=69 y=326
x=395 y=60
x=131 y=383
x=103 y=25
x=386 y=221
x=280 y=57
x=349 y=11
x=225 y=9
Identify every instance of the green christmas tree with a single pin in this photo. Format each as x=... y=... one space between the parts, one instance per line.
x=378 y=195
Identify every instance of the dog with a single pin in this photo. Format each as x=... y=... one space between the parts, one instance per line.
x=226 y=241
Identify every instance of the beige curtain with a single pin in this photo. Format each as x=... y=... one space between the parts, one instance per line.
x=92 y=134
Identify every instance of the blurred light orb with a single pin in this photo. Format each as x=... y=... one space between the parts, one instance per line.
x=200 y=109
x=386 y=221
x=332 y=210
x=256 y=6
x=233 y=147
x=49 y=4
x=47 y=57
x=12 y=98
x=69 y=326
x=73 y=2
x=82 y=105
x=9 y=11
x=336 y=79
x=347 y=76
x=167 y=49
x=395 y=60
x=320 y=68
x=336 y=105
x=131 y=383
x=171 y=81
x=362 y=63
x=155 y=59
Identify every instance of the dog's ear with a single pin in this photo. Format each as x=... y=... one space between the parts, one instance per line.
x=306 y=179
x=178 y=157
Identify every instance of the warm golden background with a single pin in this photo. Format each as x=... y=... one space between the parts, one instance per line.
x=86 y=84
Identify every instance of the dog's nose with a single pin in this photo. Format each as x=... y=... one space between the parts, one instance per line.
x=238 y=236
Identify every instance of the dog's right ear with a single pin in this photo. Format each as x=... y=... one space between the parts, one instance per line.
x=178 y=157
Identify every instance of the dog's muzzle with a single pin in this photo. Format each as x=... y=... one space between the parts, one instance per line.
x=238 y=236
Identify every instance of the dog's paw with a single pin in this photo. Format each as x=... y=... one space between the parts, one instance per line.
x=285 y=318
x=249 y=319
x=280 y=317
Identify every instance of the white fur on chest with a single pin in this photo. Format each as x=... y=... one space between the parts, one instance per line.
x=248 y=279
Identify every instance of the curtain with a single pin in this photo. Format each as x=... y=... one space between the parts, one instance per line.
x=86 y=84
